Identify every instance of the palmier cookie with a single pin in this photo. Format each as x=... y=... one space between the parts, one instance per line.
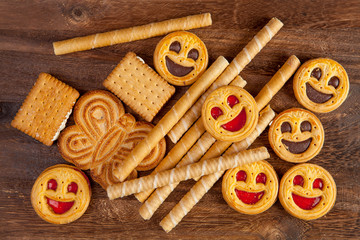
x=180 y=58
x=307 y=191
x=252 y=188
x=61 y=194
x=230 y=113
x=296 y=135
x=321 y=85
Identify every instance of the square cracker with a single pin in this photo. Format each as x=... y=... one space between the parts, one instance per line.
x=139 y=86
x=46 y=108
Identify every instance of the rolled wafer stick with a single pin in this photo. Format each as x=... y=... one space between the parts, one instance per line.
x=235 y=67
x=186 y=172
x=206 y=182
x=277 y=81
x=195 y=111
x=131 y=34
x=178 y=151
x=158 y=197
x=144 y=147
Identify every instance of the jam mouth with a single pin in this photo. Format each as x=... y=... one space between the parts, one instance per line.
x=316 y=96
x=59 y=207
x=297 y=147
x=237 y=123
x=176 y=69
x=250 y=198
x=305 y=203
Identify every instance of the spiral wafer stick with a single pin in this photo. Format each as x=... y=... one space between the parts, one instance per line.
x=194 y=112
x=158 y=197
x=206 y=182
x=131 y=34
x=186 y=172
x=277 y=81
x=144 y=147
x=235 y=67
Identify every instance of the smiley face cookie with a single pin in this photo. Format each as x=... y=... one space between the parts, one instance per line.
x=252 y=188
x=296 y=135
x=230 y=113
x=307 y=191
x=321 y=85
x=61 y=194
x=180 y=58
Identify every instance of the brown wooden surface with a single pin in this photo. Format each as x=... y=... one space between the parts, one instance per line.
x=312 y=29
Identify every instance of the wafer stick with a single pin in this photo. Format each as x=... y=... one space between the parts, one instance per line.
x=131 y=34
x=195 y=111
x=277 y=81
x=236 y=66
x=206 y=182
x=186 y=172
x=144 y=147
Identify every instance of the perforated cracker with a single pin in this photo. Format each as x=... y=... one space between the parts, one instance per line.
x=46 y=108
x=139 y=86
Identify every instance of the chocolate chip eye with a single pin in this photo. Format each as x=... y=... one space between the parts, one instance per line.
x=316 y=73
x=175 y=46
x=285 y=127
x=305 y=126
x=193 y=54
x=334 y=81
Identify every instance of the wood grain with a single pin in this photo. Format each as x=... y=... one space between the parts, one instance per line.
x=312 y=29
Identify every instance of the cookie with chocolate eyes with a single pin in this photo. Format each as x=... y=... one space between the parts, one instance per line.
x=296 y=135
x=230 y=113
x=251 y=188
x=321 y=85
x=307 y=191
x=180 y=58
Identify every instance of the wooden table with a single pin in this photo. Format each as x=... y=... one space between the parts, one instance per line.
x=312 y=29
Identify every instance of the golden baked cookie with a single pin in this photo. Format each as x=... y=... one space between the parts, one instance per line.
x=103 y=135
x=230 y=113
x=61 y=194
x=321 y=85
x=296 y=135
x=180 y=58
x=252 y=188
x=307 y=191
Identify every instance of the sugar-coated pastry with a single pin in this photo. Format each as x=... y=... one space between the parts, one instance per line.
x=230 y=113
x=296 y=135
x=307 y=191
x=180 y=58
x=251 y=188
x=321 y=85
x=61 y=194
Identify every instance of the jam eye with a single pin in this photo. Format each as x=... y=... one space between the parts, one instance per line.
x=52 y=184
x=316 y=73
x=318 y=183
x=298 y=180
x=241 y=176
x=334 y=81
x=285 y=127
x=305 y=126
x=261 y=178
x=193 y=54
x=216 y=112
x=232 y=101
x=72 y=187
x=175 y=46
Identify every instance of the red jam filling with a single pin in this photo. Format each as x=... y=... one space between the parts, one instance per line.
x=72 y=187
x=261 y=178
x=52 y=184
x=248 y=197
x=298 y=180
x=241 y=175
x=216 y=112
x=59 y=207
x=305 y=203
x=232 y=101
x=237 y=123
x=318 y=183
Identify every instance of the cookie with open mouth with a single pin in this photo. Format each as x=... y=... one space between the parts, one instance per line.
x=307 y=191
x=180 y=58
x=321 y=85
x=296 y=135
x=61 y=194
x=230 y=113
x=252 y=188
